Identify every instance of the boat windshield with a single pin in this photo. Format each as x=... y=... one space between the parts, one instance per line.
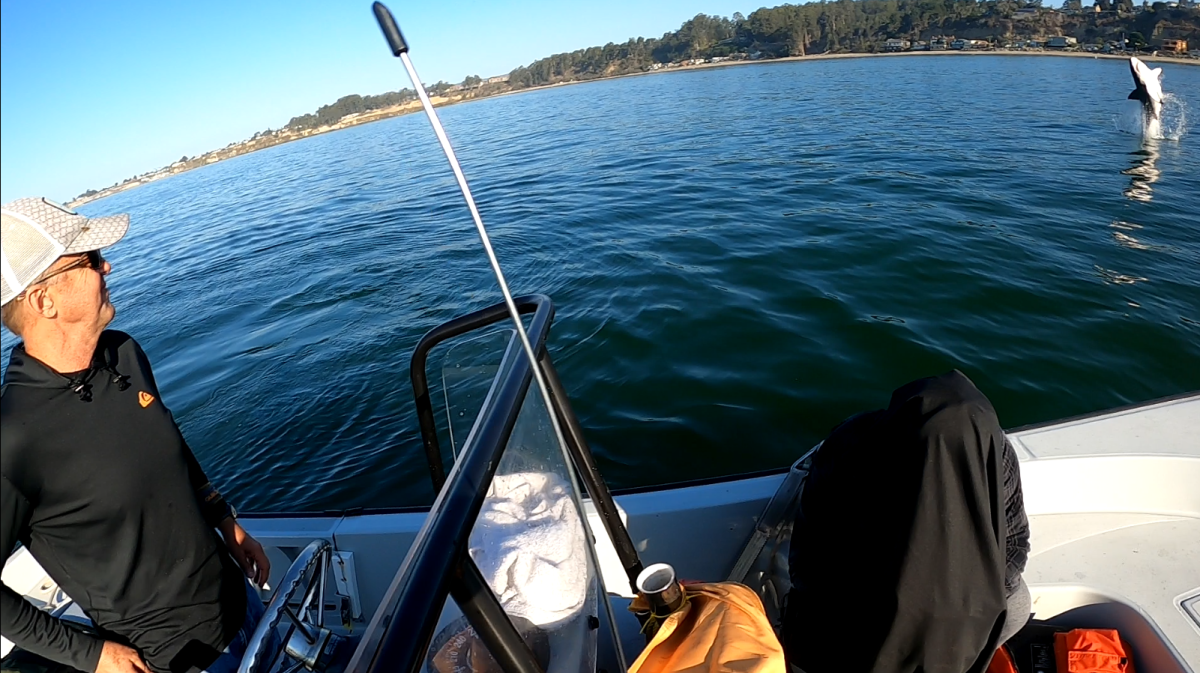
x=529 y=540
x=513 y=504
x=469 y=371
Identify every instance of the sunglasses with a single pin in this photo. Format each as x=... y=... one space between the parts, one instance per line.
x=89 y=260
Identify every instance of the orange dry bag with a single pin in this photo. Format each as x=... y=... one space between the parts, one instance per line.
x=721 y=628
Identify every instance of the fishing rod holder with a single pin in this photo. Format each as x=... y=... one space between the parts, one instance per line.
x=661 y=589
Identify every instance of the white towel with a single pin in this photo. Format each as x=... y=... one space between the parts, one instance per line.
x=529 y=544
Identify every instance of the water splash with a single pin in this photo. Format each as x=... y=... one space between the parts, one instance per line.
x=1172 y=126
x=1174 y=117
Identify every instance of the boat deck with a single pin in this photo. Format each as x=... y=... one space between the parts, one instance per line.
x=1114 y=508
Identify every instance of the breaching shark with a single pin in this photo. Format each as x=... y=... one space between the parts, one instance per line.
x=1148 y=90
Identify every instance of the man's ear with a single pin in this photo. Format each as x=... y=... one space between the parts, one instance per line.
x=40 y=303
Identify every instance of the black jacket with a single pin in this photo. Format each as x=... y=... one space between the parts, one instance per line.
x=97 y=482
x=910 y=534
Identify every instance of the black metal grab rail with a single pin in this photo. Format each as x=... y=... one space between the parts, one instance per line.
x=589 y=474
x=538 y=304
x=438 y=563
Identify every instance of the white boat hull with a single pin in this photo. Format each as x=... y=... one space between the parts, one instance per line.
x=1112 y=499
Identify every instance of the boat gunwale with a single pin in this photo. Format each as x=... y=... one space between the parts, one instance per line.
x=1104 y=412
x=703 y=481
x=424 y=509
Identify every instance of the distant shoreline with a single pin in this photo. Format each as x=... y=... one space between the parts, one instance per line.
x=400 y=111
x=972 y=52
x=828 y=57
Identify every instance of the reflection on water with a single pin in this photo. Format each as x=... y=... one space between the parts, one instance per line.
x=1144 y=172
x=1124 y=235
x=1129 y=241
x=1110 y=276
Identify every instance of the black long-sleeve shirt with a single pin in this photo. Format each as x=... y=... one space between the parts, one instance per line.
x=98 y=483
x=1016 y=542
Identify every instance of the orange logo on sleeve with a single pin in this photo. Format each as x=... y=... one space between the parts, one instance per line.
x=145 y=399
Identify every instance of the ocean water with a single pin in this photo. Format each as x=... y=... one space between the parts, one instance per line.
x=740 y=258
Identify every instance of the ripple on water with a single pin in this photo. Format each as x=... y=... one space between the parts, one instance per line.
x=740 y=258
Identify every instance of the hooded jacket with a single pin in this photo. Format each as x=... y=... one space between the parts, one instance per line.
x=98 y=483
x=910 y=535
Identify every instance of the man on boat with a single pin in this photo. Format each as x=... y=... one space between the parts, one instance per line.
x=96 y=480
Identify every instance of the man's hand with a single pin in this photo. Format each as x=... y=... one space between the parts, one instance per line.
x=116 y=658
x=246 y=551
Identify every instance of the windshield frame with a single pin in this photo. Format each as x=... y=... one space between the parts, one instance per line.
x=437 y=563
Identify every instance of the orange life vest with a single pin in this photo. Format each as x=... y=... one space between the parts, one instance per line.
x=1092 y=651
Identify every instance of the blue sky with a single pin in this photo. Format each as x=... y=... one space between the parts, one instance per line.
x=95 y=92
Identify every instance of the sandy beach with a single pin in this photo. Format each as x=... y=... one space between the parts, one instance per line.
x=1183 y=60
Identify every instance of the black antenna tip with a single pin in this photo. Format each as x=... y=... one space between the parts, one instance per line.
x=387 y=23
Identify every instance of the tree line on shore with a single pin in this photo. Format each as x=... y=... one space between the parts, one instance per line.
x=838 y=26
x=845 y=26
x=795 y=30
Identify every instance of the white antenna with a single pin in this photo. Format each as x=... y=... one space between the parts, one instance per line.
x=400 y=48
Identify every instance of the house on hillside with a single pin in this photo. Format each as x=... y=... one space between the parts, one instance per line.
x=1025 y=14
x=1175 y=46
x=940 y=42
x=497 y=79
x=1061 y=42
x=896 y=44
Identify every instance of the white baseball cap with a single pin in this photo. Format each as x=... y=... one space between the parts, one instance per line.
x=36 y=232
